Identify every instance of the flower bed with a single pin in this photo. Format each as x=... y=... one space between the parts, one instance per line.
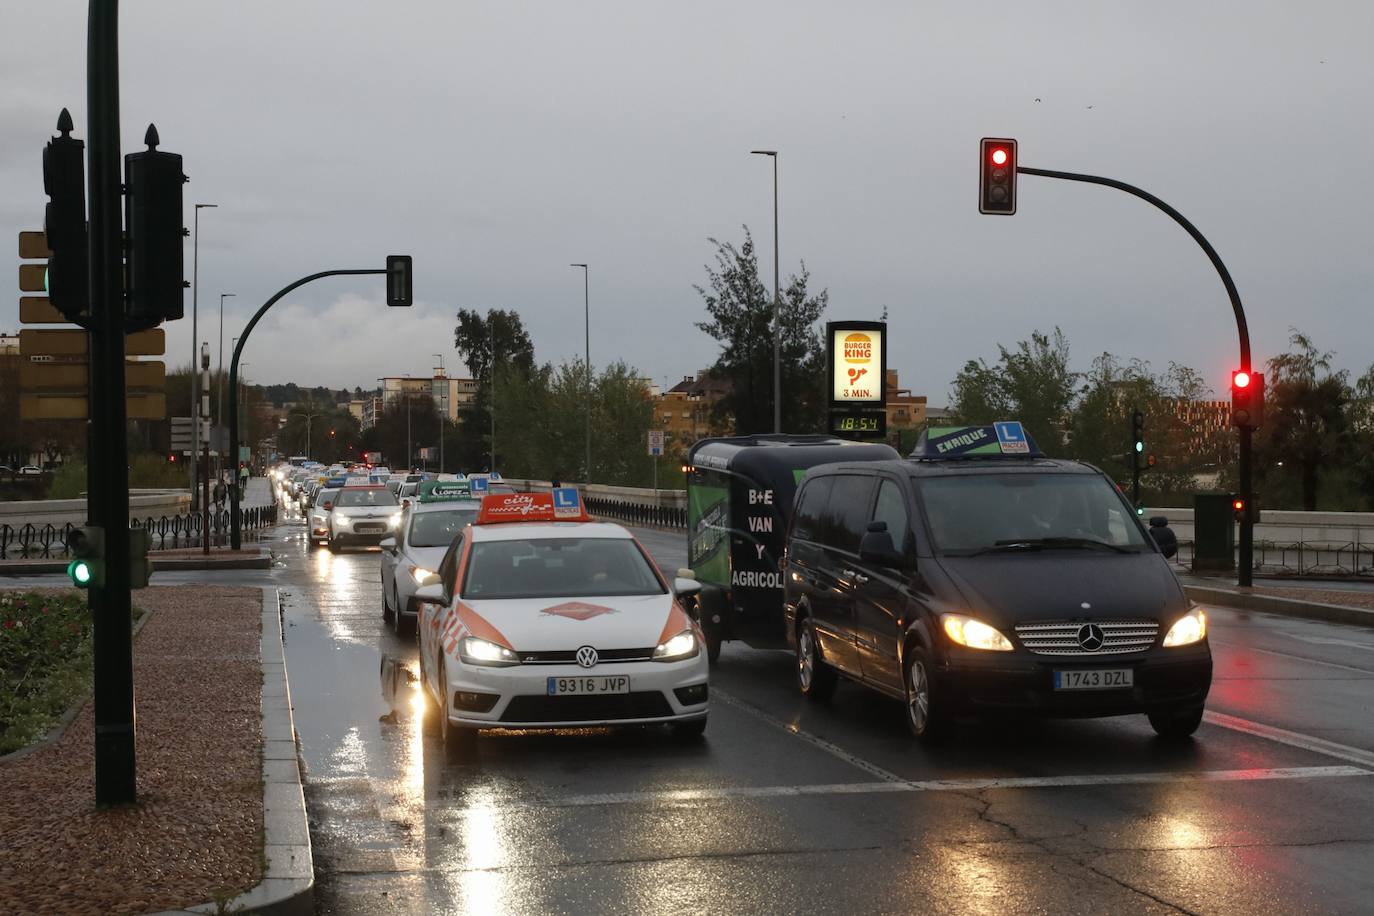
x=45 y=661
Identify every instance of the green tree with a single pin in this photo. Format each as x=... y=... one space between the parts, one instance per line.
x=740 y=310
x=1307 y=428
x=1031 y=383
x=499 y=338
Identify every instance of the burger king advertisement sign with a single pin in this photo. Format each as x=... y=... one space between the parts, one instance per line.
x=857 y=366
x=857 y=361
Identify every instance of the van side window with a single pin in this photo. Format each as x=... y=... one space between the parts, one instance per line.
x=806 y=523
x=891 y=508
x=846 y=518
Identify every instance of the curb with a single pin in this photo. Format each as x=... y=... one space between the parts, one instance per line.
x=169 y=564
x=1287 y=607
x=288 y=884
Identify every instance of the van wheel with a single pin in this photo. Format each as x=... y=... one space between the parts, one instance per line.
x=926 y=718
x=815 y=679
x=1176 y=724
x=711 y=631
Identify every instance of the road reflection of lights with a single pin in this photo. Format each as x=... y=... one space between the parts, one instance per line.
x=415 y=746
x=323 y=561
x=1174 y=833
x=977 y=883
x=483 y=880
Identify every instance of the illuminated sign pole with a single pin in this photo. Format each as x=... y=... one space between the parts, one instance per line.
x=856 y=373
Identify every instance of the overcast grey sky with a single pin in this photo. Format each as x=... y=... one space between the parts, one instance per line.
x=499 y=141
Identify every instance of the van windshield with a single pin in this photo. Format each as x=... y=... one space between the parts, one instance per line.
x=979 y=513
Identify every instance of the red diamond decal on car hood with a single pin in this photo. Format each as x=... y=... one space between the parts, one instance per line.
x=578 y=610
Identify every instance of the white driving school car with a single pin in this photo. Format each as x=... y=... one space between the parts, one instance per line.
x=544 y=619
x=411 y=556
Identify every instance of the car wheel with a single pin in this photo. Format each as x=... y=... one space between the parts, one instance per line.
x=815 y=679
x=460 y=742
x=689 y=731
x=926 y=718
x=388 y=614
x=333 y=546
x=1176 y=724
x=402 y=624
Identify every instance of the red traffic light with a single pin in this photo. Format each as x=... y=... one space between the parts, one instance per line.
x=999 y=156
x=172 y=458
x=997 y=176
x=1238 y=504
x=1240 y=379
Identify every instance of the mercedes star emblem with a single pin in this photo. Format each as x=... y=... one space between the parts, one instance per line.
x=1090 y=638
x=586 y=657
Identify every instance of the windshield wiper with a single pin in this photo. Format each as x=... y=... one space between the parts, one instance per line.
x=1040 y=543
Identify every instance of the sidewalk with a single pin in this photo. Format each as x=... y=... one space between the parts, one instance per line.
x=1331 y=605
x=197 y=830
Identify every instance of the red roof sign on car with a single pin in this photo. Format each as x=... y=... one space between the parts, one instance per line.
x=562 y=505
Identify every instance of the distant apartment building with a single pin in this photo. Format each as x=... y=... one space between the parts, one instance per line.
x=904 y=409
x=685 y=412
x=9 y=344
x=1207 y=426
x=450 y=395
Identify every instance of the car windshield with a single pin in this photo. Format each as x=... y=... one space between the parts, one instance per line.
x=559 y=568
x=371 y=496
x=438 y=528
x=975 y=513
x=325 y=496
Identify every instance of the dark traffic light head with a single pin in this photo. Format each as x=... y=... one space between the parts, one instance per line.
x=997 y=176
x=1247 y=399
x=64 y=222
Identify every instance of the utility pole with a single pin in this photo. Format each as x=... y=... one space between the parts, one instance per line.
x=491 y=326
x=777 y=299
x=195 y=336
x=444 y=408
x=219 y=398
x=587 y=316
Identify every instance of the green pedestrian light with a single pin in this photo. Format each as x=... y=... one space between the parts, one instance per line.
x=80 y=572
x=87 y=568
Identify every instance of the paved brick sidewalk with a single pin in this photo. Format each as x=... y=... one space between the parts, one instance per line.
x=1321 y=596
x=197 y=828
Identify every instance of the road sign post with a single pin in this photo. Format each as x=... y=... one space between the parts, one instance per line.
x=655 y=451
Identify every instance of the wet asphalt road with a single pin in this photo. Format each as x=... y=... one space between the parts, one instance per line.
x=790 y=807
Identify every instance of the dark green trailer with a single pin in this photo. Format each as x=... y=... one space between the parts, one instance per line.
x=739 y=503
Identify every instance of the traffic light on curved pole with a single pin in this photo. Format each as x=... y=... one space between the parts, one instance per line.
x=1247 y=399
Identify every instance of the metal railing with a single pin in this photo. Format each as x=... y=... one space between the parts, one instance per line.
x=672 y=517
x=48 y=541
x=1317 y=558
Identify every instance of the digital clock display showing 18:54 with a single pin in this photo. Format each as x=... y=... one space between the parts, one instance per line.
x=857 y=423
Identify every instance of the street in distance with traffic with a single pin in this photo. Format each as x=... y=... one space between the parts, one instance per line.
x=718 y=459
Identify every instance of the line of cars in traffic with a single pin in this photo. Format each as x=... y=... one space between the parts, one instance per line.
x=974 y=577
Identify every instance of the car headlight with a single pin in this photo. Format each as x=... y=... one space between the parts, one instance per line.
x=972 y=632
x=423 y=576
x=683 y=645
x=1188 y=629
x=476 y=651
x=395 y=519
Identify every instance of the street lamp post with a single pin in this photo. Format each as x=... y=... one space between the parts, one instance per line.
x=219 y=398
x=195 y=335
x=443 y=414
x=587 y=319
x=491 y=326
x=777 y=299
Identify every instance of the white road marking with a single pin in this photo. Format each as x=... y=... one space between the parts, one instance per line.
x=1331 y=641
x=816 y=741
x=1234 y=647
x=675 y=796
x=1292 y=739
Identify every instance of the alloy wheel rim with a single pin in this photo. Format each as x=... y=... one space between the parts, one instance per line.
x=806 y=661
x=918 y=696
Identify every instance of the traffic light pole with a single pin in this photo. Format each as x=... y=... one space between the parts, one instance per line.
x=107 y=480
x=235 y=528
x=1247 y=526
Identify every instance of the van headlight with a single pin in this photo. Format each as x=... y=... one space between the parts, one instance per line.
x=973 y=633
x=477 y=651
x=683 y=645
x=1188 y=629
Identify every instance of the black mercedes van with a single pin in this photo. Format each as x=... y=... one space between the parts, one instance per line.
x=979 y=576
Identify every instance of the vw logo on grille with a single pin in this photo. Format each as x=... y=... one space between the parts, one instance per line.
x=1090 y=638
x=586 y=657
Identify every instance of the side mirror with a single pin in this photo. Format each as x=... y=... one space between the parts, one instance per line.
x=430 y=594
x=1163 y=535
x=684 y=586
x=387 y=544
x=877 y=547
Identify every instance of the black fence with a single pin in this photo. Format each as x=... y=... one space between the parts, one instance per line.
x=638 y=513
x=1330 y=559
x=31 y=541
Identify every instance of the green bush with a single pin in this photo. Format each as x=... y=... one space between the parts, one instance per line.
x=151 y=470
x=45 y=662
x=69 y=482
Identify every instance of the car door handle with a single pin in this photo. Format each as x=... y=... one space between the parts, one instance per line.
x=854 y=575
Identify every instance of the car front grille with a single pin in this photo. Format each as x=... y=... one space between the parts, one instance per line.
x=1061 y=637
x=647 y=704
x=569 y=657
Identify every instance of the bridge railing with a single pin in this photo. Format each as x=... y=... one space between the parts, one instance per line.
x=168 y=532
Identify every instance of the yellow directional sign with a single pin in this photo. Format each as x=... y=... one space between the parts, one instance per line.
x=38 y=310
x=150 y=406
x=74 y=378
x=53 y=342
x=31 y=278
x=34 y=245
